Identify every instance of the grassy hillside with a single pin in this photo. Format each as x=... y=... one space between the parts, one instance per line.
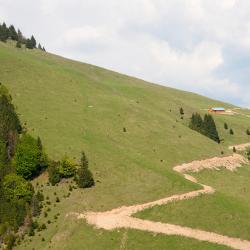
x=74 y=106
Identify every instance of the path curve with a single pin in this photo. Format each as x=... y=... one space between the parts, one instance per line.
x=122 y=217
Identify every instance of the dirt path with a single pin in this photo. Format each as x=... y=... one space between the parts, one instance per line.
x=122 y=217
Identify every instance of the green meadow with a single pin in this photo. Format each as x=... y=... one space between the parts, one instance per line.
x=133 y=135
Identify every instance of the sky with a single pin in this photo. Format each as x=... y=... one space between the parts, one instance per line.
x=201 y=46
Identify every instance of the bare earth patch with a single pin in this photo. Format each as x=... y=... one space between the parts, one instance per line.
x=122 y=217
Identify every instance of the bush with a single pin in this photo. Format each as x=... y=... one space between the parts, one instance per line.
x=248 y=132
x=225 y=126
x=15 y=188
x=29 y=158
x=67 y=167
x=231 y=131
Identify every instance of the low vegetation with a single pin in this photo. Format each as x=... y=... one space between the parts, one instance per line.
x=22 y=158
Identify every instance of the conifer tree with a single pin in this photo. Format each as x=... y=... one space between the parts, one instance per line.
x=181 y=111
x=84 y=177
x=4 y=32
x=33 y=41
x=12 y=33
x=29 y=44
x=225 y=126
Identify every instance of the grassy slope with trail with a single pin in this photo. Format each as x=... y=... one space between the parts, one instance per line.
x=74 y=106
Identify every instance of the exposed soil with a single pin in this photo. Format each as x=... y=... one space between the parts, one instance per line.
x=122 y=217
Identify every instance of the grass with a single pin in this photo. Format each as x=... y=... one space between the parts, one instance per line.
x=225 y=212
x=74 y=106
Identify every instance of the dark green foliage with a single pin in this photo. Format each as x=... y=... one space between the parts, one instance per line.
x=4 y=32
x=67 y=167
x=209 y=128
x=29 y=159
x=29 y=44
x=225 y=126
x=53 y=170
x=181 y=111
x=10 y=124
x=206 y=127
x=248 y=131
x=84 y=177
x=234 y=149
x=12 y=33
x=40 y=196
x=33 y=41
x=57 y=199
x=231 y=131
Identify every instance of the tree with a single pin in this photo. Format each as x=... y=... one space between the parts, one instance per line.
x=231 y=131
x=12 y=33
x=40 y=47
x=209 y=128
x=67 y=167
x=29 y=44
x=248 y=131
x=33 y=41
x=4 y=32
x=225 y=126
x=181 y=111
x=84 y=177
x=21 y=38
x=53 y=170
x=16 y=188
x=28 y=159
x=10 y=125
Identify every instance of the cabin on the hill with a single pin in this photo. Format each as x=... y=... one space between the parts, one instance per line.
x=217 y=110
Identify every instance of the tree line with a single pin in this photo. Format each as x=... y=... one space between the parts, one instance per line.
x=205 y=126
x=23 y=157
x=11 y=33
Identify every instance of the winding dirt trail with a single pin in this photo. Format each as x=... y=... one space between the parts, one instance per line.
x=122 y=217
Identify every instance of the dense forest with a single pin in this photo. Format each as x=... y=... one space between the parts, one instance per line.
x=17 y=36
x=22 y=158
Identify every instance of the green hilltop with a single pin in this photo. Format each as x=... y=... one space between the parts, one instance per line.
x=131 y=131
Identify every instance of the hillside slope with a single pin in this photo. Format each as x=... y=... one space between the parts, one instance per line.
x=74 y=106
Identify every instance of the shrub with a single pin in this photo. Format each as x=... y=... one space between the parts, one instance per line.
x=29 y=159
x=181 y=111
x=248 y=131
x=67 y=167
x=57 y=199
x=231 y=131
x=15 y=188
x=225 y=126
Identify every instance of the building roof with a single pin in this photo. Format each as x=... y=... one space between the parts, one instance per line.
x=218 y=109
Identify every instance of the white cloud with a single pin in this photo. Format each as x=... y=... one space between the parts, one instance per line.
x=181 y=43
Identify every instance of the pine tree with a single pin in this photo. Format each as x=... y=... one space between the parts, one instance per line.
x=33 y=41
x=39 y=46
x=231 y=131
x=4 y=32
x=225 y=126
x=12 y=33
x=84 y=177
x=29 y=44
x=248 y=131
x=20 y=36
x=209 y=128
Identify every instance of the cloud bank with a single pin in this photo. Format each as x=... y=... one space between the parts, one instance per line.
x=197 y=45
